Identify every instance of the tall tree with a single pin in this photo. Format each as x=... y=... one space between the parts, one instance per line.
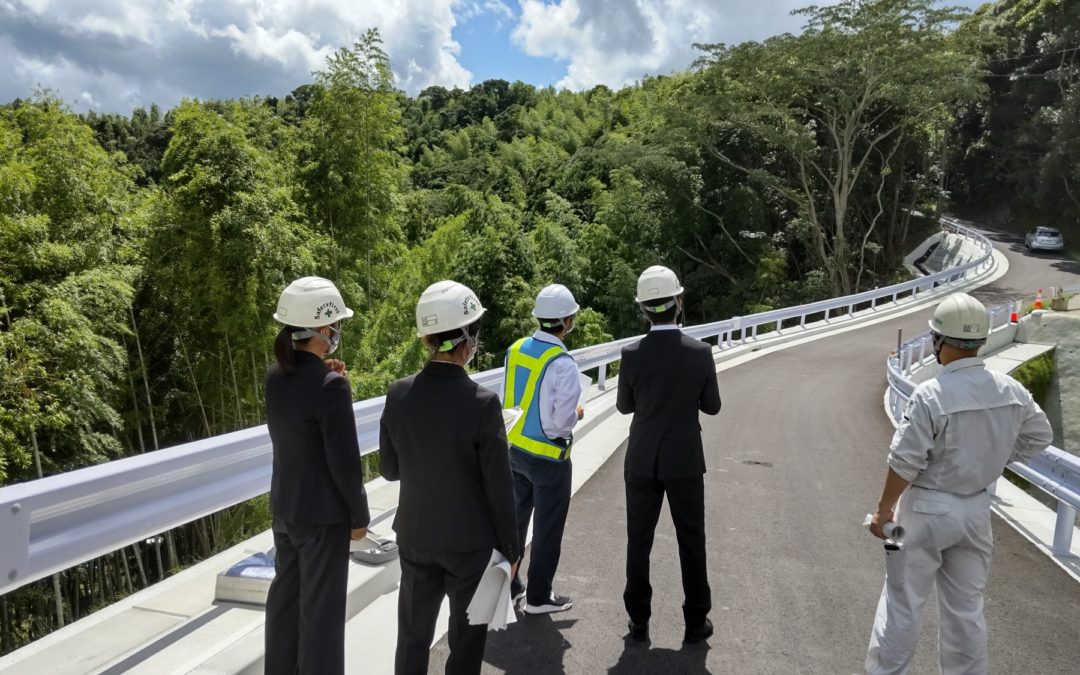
x=834 y=104
x=67 y=229
x=350 y=166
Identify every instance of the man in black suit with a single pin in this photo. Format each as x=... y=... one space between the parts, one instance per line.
x=442 y=436
x=664 y=380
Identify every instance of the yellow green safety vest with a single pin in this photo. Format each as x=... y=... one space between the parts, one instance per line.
x=526 y=362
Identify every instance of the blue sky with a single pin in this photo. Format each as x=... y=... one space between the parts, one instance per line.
x=488 y=52
x=114 y=55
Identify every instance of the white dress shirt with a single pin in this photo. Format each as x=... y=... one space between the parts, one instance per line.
x=560 y=390
x=666 y=326
x=960 y=429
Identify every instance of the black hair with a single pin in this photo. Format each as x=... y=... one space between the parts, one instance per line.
x=666 y=316
x=284 y=350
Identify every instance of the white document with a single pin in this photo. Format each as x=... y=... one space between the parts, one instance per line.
x=491 y=602
x=510 y=417
x=586 y=382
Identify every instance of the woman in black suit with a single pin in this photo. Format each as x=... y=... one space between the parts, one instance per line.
x=442 y=436
x=317 y=490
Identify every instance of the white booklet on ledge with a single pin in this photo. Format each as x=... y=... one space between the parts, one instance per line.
x=491 y=603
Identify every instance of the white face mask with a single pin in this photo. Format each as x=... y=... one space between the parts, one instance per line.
x=473 y=343
x=334 y=340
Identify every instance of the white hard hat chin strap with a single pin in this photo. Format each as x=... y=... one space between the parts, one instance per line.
x=334 y=340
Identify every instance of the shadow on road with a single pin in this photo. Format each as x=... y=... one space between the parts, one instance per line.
x=1067 y=266
x=534 y=645
x=638 y=658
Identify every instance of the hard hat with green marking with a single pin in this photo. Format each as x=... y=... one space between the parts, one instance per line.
x=311 y=302
x=446 y=305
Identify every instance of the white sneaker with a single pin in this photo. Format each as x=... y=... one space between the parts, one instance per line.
x=557 y=603
x=518 y=600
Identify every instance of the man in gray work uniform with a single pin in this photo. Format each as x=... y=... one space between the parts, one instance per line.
x=958 y=432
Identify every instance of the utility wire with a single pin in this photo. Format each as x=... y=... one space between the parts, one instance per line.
x=1032 y=56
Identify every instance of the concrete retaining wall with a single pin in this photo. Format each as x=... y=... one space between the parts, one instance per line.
x=1063 y=400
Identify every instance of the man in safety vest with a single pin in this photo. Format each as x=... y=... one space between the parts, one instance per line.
x=958 y=432
x=541 y=379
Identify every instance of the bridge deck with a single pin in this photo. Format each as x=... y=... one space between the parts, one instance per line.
x=796 y=458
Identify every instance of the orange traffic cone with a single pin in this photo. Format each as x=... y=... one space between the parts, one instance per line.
x=1038 y=300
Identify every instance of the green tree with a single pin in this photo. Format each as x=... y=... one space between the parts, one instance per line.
x=227 y=238
x=349 y=163
x=834 y=104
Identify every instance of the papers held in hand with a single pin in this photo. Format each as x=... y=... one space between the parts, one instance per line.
x=491 y=603
x=511 y=416
x=585 y=382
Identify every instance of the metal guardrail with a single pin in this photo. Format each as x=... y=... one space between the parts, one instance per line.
x=1054 y=471
x=54 y=523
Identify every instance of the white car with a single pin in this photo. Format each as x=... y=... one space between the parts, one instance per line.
x=1044 y=239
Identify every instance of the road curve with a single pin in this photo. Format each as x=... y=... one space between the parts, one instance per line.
x=796 y=458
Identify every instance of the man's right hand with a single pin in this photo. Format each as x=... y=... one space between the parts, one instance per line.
x=359 y=533
x=514 y=568
x=580 y=413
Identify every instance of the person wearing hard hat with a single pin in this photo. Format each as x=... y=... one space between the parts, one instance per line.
x=958 y=432
x=541 y=378
x=317 y=495
x=442 y=435
x=664 y=381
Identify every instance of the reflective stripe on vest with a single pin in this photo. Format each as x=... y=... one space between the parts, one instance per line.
x=526 y=362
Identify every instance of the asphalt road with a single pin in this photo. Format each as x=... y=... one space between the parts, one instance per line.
x=796 y=458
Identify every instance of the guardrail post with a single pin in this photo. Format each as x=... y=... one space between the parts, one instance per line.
x=922 y=352
x=802 y=321
x=601 y=379
x=1063 y=529
x=851 y=311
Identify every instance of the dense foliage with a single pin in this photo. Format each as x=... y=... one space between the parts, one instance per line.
x=1016 y=153
x=143 y=254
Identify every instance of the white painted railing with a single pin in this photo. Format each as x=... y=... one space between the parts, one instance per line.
x=1054 y=471
x=51 y=524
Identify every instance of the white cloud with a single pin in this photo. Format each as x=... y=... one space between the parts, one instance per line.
x=616 y=42
x=115 y=54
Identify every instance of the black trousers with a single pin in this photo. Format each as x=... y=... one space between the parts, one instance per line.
x=305 y=608
x=426 y=577
x=542 y=490
x=686 y=500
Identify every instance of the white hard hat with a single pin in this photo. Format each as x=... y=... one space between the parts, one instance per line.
x=311 y=302
x=446 y=305
x=555 y=302
x=961 y=317
x=656 y=283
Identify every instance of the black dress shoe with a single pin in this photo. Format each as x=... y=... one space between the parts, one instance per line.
x=639 y=632
x=696 y=635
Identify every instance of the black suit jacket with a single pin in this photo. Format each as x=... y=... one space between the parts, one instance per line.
x=317 y=476
x=664 y=380
x=442 y=436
